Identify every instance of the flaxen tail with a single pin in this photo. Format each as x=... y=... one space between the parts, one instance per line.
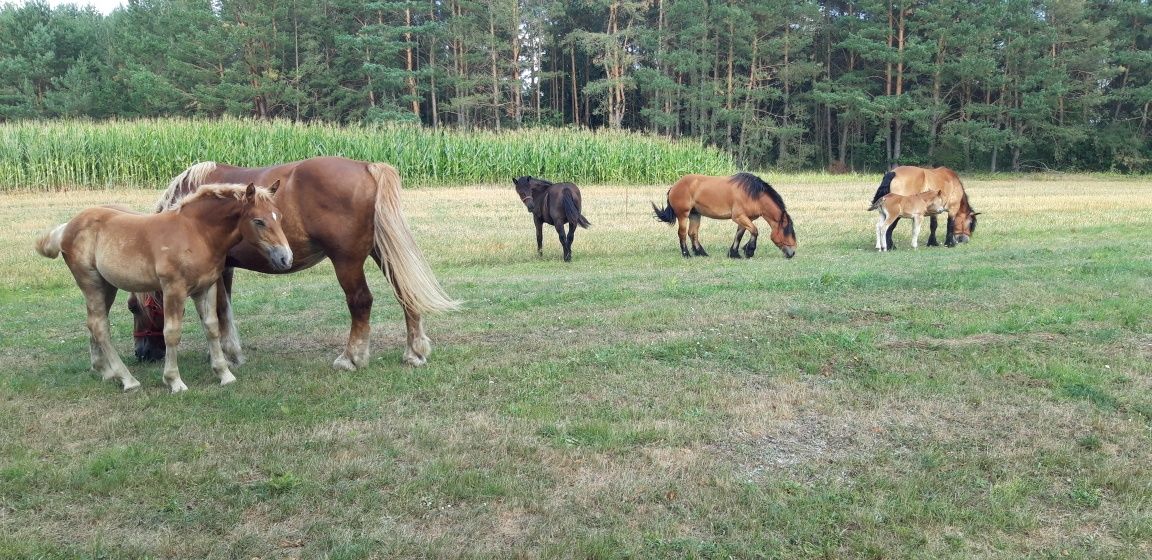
x=48 y=243
x=400 y=258
x=572 y=212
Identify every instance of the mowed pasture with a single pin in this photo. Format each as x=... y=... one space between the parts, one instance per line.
x=991 y=400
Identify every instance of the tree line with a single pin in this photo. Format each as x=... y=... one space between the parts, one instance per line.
x=974 y=84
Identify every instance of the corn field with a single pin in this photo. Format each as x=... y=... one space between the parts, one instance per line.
x=54 y=155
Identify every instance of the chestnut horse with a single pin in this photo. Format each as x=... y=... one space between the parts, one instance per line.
x=334 y=208
x=742 y=198
x=180 y=251
x=552 y=203
x=907 y=180
x=893 y=206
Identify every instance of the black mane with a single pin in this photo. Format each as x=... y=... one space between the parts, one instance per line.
x=757 y=187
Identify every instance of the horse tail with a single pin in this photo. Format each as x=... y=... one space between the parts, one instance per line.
x=572 y=212
x=876 y=204
x=666 y=214
x=184 y=184
x=884 y=188
x=48 y=243
x=400 y=258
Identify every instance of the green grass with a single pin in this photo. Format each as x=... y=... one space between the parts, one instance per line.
x=991 y=400
x=55 y=155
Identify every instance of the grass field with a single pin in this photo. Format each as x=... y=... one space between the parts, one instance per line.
x=988 y=401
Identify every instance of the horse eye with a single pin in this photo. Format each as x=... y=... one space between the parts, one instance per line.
x=258 y=222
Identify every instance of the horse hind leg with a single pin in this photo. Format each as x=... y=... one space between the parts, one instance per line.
x=105 y=360
x=568 y=244
x=564 y=243
x=682 y=232
x=694 y=234
x=417 y=346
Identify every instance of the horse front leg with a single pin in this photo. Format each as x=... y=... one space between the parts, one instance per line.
x=350 y=274
x=98 y=298
x=173 y=321
x=932 y=232
x=916 y=219
x=229 y=334
x=539 y=236
x=950 y=235
x=746 y=223
x=206 y=308
x=734 y=249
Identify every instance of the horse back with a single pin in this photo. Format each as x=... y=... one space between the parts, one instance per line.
x=911 y=180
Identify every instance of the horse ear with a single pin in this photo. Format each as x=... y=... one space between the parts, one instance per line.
x=275 y=186
x=250 y=192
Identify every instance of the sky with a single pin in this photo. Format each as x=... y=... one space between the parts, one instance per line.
x=105 y=6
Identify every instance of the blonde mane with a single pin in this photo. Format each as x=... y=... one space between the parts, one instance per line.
x=190 y=179
x=221 y=190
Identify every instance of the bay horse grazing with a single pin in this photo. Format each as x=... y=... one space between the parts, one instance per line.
x=180 y=251
x=908 y=180
x=893 y=206
x=552 y=203
x=742 y=198
x=334 y=208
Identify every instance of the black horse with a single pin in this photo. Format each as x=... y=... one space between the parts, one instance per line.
x=552 y=203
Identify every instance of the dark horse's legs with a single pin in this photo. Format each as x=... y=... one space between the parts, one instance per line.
x=888 y=234
x=566 y=240
x=539 y=235
x=932 y=231
x=949 y=236
x=682 y=232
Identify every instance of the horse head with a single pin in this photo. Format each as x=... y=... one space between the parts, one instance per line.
x=937 y=204
x=784 y=235
x=524 y=191
x=261 y=226
x=963 y=222
x=147 y=325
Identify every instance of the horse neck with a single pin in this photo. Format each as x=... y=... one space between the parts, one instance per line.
x=215 y=217
x=770 y=210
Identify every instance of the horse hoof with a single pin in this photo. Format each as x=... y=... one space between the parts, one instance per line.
x=227 y=378
x=414 y=360
x=178 y=386
x=131 y=384
x=344 y=364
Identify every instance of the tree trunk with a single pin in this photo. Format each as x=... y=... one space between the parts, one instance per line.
x=410 y=65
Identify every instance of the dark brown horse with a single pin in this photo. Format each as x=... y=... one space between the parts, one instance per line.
x=742 y=198
x=180 y=251
x=552 y=203
x=334 y=208
x=907 y=180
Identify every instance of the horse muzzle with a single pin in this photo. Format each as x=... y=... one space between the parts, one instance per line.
x=961 y=239
x=148 y=350
x=280 y=257
x=789 y=252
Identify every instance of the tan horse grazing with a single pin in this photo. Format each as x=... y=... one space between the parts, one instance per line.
x=334 y=208
x=742 y=198
x=893 y=206
x=907 y=180
x=180 y=251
